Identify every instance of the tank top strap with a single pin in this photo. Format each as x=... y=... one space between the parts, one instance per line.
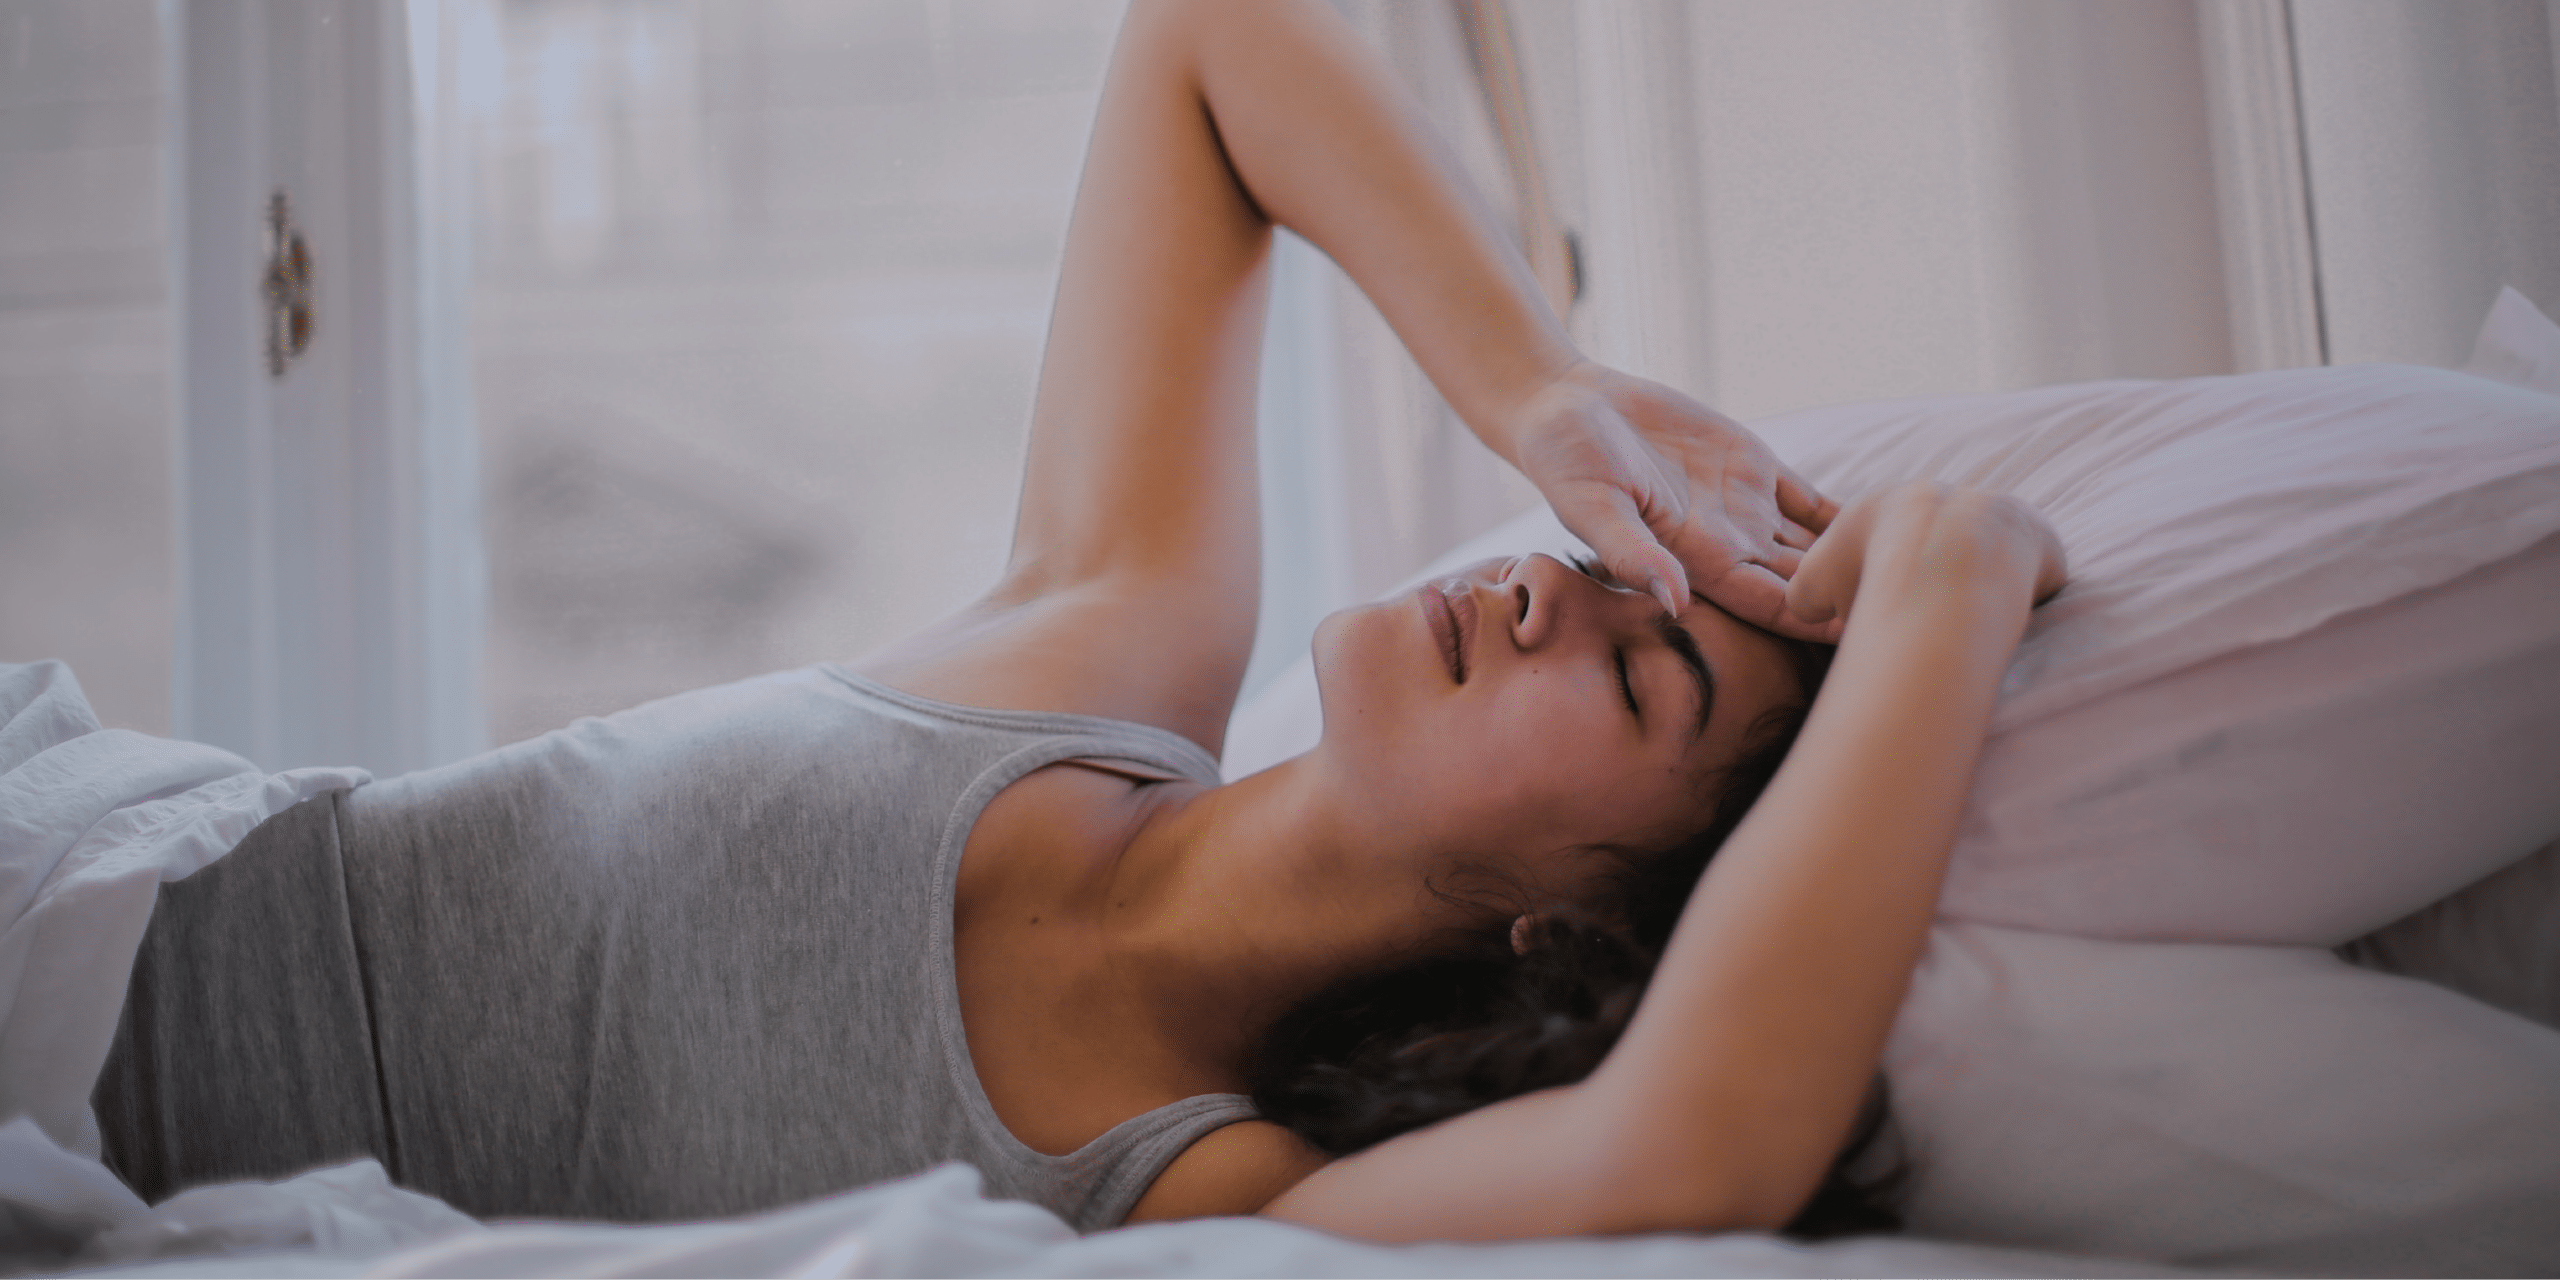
x=1094 y=1186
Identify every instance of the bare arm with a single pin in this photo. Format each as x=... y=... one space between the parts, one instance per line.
x=1739 y=1076
x=1135 y=570
x=1670 y=494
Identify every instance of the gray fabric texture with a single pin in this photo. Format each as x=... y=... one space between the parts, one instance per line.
x=196 y=1088
x=691 y=959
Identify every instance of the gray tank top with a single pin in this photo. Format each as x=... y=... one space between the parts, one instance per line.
x=695 y=958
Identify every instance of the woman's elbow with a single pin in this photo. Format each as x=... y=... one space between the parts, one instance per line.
x=1723 y=1201
x=1692 y=1182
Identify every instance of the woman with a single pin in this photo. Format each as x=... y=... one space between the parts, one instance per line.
x=979 y=897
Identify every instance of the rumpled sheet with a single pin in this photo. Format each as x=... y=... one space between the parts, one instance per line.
x=348 y=1221
x=92 y=821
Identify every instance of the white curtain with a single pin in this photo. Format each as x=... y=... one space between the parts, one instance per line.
x=1366 y=474
x=1775 y=205
x=1779 y=205
x=2431 y=149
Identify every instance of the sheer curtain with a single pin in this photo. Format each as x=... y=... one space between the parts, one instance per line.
x=1769 y=205
x=1775 y=206
x=1366 y=474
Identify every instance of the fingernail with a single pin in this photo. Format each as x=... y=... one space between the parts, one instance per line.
x=1662 y=593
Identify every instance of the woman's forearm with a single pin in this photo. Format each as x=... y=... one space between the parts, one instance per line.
x=1735 y=1084
x=1328 y=145
x=1765 y=1020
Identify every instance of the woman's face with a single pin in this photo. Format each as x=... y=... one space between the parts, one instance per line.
x=1522 y=710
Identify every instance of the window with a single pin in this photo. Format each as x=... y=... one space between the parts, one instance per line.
x=758 y=302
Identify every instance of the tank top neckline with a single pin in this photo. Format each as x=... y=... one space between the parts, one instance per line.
x=1066 y=736
x=1179 y=754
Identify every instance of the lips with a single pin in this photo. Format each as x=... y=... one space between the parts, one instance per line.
x=1449 y=607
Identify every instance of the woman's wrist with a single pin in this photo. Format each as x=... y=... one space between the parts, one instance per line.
x=1974 y=556
x=1506 y=400
x=1328 y=144
x=1926 y=548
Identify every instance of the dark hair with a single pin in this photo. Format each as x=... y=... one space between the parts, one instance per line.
x=1476 y=1021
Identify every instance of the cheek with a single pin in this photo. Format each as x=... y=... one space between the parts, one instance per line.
x=1366 y=699
x=1540 y=763
x=1559 y=758
x=1352 y=660
x=1595 y=773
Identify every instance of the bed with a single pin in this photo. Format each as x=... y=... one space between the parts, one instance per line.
x=2300 y=706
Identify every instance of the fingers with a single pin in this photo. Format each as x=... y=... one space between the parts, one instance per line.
x=1800 y=502
x=1810 y=602
x=2053 y=569
x=1619 y=537
x=1757 y=596
x=1826 y=579
x=1780 y=560
x=1662 y=575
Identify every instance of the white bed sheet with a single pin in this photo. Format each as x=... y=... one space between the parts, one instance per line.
x=936 y=1223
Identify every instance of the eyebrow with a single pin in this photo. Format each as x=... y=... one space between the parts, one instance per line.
x=1674 y=637
x=1677 y=638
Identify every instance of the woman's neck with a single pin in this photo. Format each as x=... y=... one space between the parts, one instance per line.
x=1231 y=904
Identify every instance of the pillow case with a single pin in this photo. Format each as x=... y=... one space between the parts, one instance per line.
x=2242 y=1107
x=2305 y=679
x=2497 y=942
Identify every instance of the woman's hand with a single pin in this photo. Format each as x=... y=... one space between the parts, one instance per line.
x=1919 y=528
x=1671 y=494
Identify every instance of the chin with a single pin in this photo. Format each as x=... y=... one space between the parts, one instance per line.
x=1354 y=664
x=1329 y=649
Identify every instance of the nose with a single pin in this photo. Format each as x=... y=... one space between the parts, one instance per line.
x=1552 y=600
x=1546 y=596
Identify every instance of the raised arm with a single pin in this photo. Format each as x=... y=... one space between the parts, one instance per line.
x=1670 y=494
x=1135 y=571
x=1134 y=576
x=1743 y=1068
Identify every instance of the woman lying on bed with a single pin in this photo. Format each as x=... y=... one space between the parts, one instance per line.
x=979 y=898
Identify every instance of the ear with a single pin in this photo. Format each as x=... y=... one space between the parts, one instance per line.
x=1524 y=930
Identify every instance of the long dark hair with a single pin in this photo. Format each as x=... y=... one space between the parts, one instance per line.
x=1477 y=1020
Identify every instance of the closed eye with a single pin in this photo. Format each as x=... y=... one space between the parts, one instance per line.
x=1594 y=570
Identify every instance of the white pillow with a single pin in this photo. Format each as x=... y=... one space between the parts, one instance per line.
x=2225 y=728
x=2305 y=680
x=2517 y=345
x=2254 y=1108
x=2497 y=941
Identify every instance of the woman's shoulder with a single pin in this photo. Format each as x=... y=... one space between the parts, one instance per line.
x=1230 y=1171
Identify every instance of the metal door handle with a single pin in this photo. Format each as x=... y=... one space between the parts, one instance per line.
x=287 y=287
